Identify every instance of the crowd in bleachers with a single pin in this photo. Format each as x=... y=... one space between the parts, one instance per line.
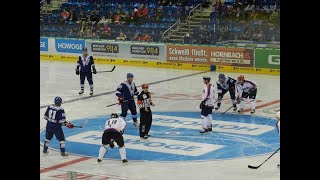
x=241 y=20
x=98 y=19
x=146 y=20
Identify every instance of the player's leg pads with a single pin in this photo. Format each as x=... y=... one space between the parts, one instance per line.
x=46 y=146
x=62 y=146
x=122 y=152
x=46 y=143
x=102 y=151
x=89 y=79
x=82 y=78
x=124 y=109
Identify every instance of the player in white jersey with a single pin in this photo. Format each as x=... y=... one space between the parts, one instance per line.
x=246 y=89
x=278 y=121
x=206 y=105
x=278 y=126
x=113 y=131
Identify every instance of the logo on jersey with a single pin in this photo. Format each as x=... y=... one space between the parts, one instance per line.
x=175 y=137
x=44 y=44
x=69 y=46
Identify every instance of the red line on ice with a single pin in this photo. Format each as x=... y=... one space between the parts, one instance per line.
x=63 y=164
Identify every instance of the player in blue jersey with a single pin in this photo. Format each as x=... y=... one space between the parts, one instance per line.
x=225 y=84
x=125 y=93
x=85 y=63
x=55 y=117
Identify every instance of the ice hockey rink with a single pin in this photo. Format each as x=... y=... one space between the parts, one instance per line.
x=176 y=149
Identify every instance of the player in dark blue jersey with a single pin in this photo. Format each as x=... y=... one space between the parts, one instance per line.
x=125 y=93
x=85 y=63
x=56 y=117
x=225 y=84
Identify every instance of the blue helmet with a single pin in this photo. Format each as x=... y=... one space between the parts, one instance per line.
x=130 y=75
x=221 y=76
x=58 y=101
x=84 y=49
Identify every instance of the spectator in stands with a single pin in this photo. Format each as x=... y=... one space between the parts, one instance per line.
x=106 y=33
x=182 y=3
x=151 y=14
x=122 y=36
x=94 y=18
x=159 y=14
x=64 y=16
x=126 y=18
x=73 y=16
x=83 y=29
x=88 y=33
x=136 y=37
x=205 y=3
x=145 y=37
x=187 y=39
x=103 y=20
x=117 y=17
x=82 y=17
x=142 y=12
x=134 y=16
x=110 y=17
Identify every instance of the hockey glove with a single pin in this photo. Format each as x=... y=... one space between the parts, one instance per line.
x=77 y=72
x=202 y=104
x=94 y=71
x=120 y=99
x=238 y=100
x=69 y=125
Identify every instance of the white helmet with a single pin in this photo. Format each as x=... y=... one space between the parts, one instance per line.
x=278 y=115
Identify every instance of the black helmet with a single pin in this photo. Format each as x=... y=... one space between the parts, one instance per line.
x=206 y=78
x=114 y=115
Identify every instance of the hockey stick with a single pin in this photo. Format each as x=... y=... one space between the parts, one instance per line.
x=83 y=124
x=118 y=103
x=225 y=111
x=107 y=71
x=256 y=167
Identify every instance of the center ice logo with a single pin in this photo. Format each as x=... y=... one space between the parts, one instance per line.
x=175 y=137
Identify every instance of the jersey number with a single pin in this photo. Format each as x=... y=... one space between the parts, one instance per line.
x=112 y=122
x=52 y=114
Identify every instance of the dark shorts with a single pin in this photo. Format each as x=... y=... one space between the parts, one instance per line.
x=112 y=134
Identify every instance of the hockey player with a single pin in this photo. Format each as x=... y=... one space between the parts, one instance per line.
x=144 y=103
x=225 y=84
x=278 y=127
x=114 y=129
x=245 y=89
x=55 y=117
x=125 y=93
x=85 y=63
x=206 y=105
x=278 y=121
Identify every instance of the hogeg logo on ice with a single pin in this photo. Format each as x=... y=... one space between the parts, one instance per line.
x=175 y=137
x=69 y=46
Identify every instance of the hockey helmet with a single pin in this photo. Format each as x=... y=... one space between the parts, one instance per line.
x=206 y=78
x=240 y=78
x=58 y=101
x=130 y=75
x=221 y=76
x=145 y=86
x=114 y=115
